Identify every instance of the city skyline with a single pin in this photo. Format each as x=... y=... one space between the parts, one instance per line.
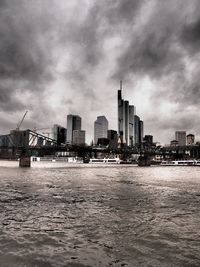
x=53 y=65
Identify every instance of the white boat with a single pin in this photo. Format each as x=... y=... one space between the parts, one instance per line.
x=106 y=160
x=57 y=159
x=180 y=163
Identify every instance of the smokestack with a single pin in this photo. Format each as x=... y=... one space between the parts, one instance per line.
x=121 y=85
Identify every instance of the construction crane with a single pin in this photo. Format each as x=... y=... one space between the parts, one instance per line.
x=20 y=123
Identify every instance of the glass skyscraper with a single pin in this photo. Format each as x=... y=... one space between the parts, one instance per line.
x=73 y=123
x=100 y=128
x=130 y=128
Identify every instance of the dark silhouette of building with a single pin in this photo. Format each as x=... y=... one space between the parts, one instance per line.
x=59 y=134
x=103 y=142
x=148 y=139
x=113 y=139
x=73 y=123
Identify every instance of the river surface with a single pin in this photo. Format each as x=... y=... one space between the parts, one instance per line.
x=87 y=216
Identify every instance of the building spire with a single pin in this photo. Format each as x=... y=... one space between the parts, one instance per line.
x=121 y=85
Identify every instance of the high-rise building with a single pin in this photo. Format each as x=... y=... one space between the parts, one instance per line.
x=73 y=123
x=121 y=116
x=180 y=136
x=141 y=131
x=131 y=125
x=78 y=137
x=126 y=117
x=100 y=128
x=113 y=139
x=130 y=130
x=190 y=139
x=59 y=133
x=148 y=139
x=148 y=142
x=137 y=130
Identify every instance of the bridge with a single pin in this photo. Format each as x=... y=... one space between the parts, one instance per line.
x=23 y=144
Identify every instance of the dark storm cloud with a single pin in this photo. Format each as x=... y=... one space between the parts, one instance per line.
x=21 y=53
x=121 y=11
x=154 y=56
x=23 y=58
x=152 y=47
x=25 y=62
x=190 y=36
x=8 y=99
x=87 y=36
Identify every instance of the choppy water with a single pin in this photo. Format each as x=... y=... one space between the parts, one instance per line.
x=99 y=216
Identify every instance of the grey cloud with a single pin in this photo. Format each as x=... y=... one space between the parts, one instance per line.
x=22 y=56
x=190 y=36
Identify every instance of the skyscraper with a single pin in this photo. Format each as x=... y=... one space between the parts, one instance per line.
x=137 y=130
x=73 y=123
x=78 y=137
x=59 y=133
x=113 y=139
x=131 y=126
x=130 y=130
x=121 y=116
x=180 y=136
x=141 y=131
x=100 y=128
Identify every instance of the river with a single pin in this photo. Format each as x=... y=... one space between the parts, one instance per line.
x=87 y=216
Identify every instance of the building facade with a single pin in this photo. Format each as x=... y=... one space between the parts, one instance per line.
x=100 y=128
x=190 y=139
x=59 y=134
x=113 y=139
x=131 y=125
x=141 y=131
x=73 y=123
x=180 y=136
x=137 y=130
x=78 y=137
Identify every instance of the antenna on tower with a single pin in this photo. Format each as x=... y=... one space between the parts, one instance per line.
x=121 y=85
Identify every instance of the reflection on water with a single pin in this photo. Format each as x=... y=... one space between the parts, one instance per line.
x=99 y=216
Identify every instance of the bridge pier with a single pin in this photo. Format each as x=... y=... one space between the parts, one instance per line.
x=25 y=161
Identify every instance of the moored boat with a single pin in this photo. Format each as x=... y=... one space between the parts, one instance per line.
x=180 y=163
x=105 y=161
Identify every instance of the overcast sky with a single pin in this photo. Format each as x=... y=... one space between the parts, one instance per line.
x=68 y=56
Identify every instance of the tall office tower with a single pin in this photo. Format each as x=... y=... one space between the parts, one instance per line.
x=131 y=126
x=141 y=131
x=78 y=137
x=137 y=130
x=128 y=123
x=113 y=139
x=180 y=136
x=73 y=123
x=190 y=139
x=59 y=133
x=126 y=111
x=100 y=128
x=148 y=139
x=121 y=116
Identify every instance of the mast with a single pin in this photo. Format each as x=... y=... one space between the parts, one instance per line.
x=121 y=85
